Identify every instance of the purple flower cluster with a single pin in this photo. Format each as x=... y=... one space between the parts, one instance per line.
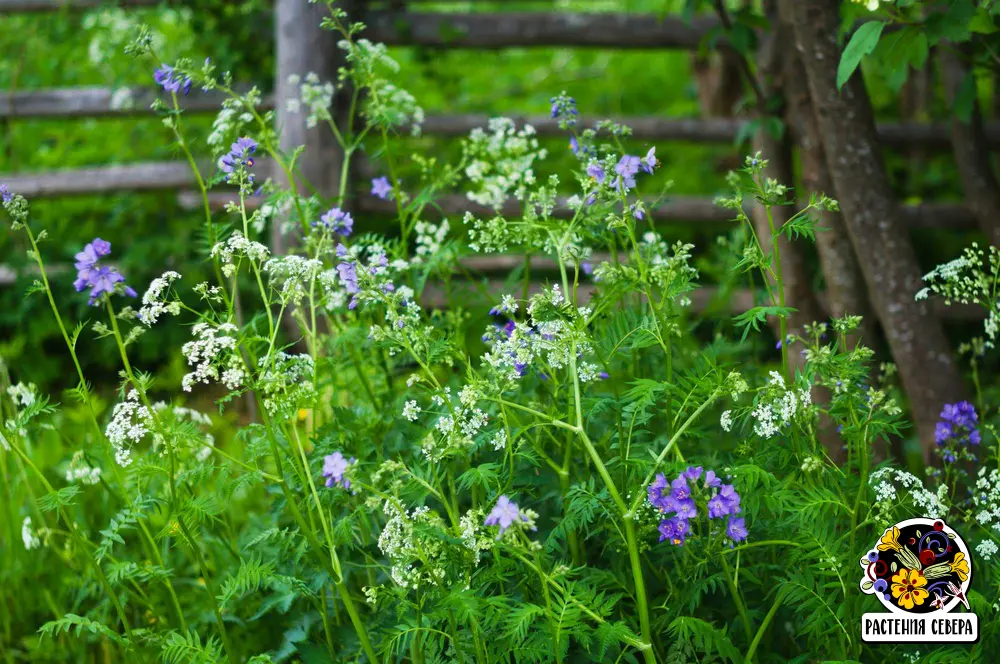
x=5 y=194
x=564 y=109
x=505 y=514
x=629 y=166
x=348 y=273
x=337 y=221
x=956 y=429
x=240 y=154
x=381 y=188
x=170 y=80
x=334 y=467
x=100 y=279
x=678 y=497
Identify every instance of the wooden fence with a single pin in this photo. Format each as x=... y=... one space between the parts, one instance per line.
x=299 y=50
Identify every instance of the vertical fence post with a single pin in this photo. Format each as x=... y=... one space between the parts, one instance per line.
x=304 y=47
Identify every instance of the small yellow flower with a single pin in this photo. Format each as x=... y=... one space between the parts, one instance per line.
x=908 y=588
x=890 y=540
x=303 y=414
x=960 y=566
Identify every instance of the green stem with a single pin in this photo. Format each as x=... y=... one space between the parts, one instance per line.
x=314 y=542
x=112 y=595
x=782 y=319
x=737 y=598
x=145 y=400
x=210 y=587
x=751 y=651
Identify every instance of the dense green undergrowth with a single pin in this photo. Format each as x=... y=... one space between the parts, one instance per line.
x=349 y=454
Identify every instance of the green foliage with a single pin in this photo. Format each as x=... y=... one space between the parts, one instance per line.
x=365 y=465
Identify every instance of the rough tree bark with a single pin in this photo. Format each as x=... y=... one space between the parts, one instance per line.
x=304 y=47
x=878 y=234
x=969 y=146
x=718 y=82
x=845 y=285
x=778 y=153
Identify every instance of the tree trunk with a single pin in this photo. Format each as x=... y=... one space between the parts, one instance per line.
x=778 y=153
x=304 y=47
x=972 y=155
x=878 y=234
x=845 y=285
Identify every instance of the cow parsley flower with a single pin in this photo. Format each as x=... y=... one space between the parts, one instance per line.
x=987 y=549
x=80 y=471
x=130 y=422
x=500 y=162
x=970 y=279
x=22 y=394
x=726 y=421
x=28 y=536
x=214 y=357
x=315 y=95
x=411 y=411
x=154 y=303
x=430 y=239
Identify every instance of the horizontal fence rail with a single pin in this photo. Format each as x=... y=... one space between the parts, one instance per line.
x=177 y=175
x=496 y=30
x=13 y=6
x=97 y=101
x=102 y=101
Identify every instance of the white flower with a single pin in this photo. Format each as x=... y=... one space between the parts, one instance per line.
x=21 y=394
x=726 y=421
x=80 y=471
x=987 y=549
x=411 y=411
x=213 y=350
x=499 y=441
x=28 y=536
x=130 y=422
x=766 y=425
x=153 y=305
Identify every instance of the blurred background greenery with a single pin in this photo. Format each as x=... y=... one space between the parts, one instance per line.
x=151 y=233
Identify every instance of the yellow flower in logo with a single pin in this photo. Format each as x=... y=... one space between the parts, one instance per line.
x=908 y=588
x=890 y=540
x=960 y=566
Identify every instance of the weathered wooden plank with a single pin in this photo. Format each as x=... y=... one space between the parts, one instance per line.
x=685 y=209
x=495 y=30
x=695 y=130
x=149 y=176
x=157 y=176
x=12 y=6
x=700 y=130
x=102 y=101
